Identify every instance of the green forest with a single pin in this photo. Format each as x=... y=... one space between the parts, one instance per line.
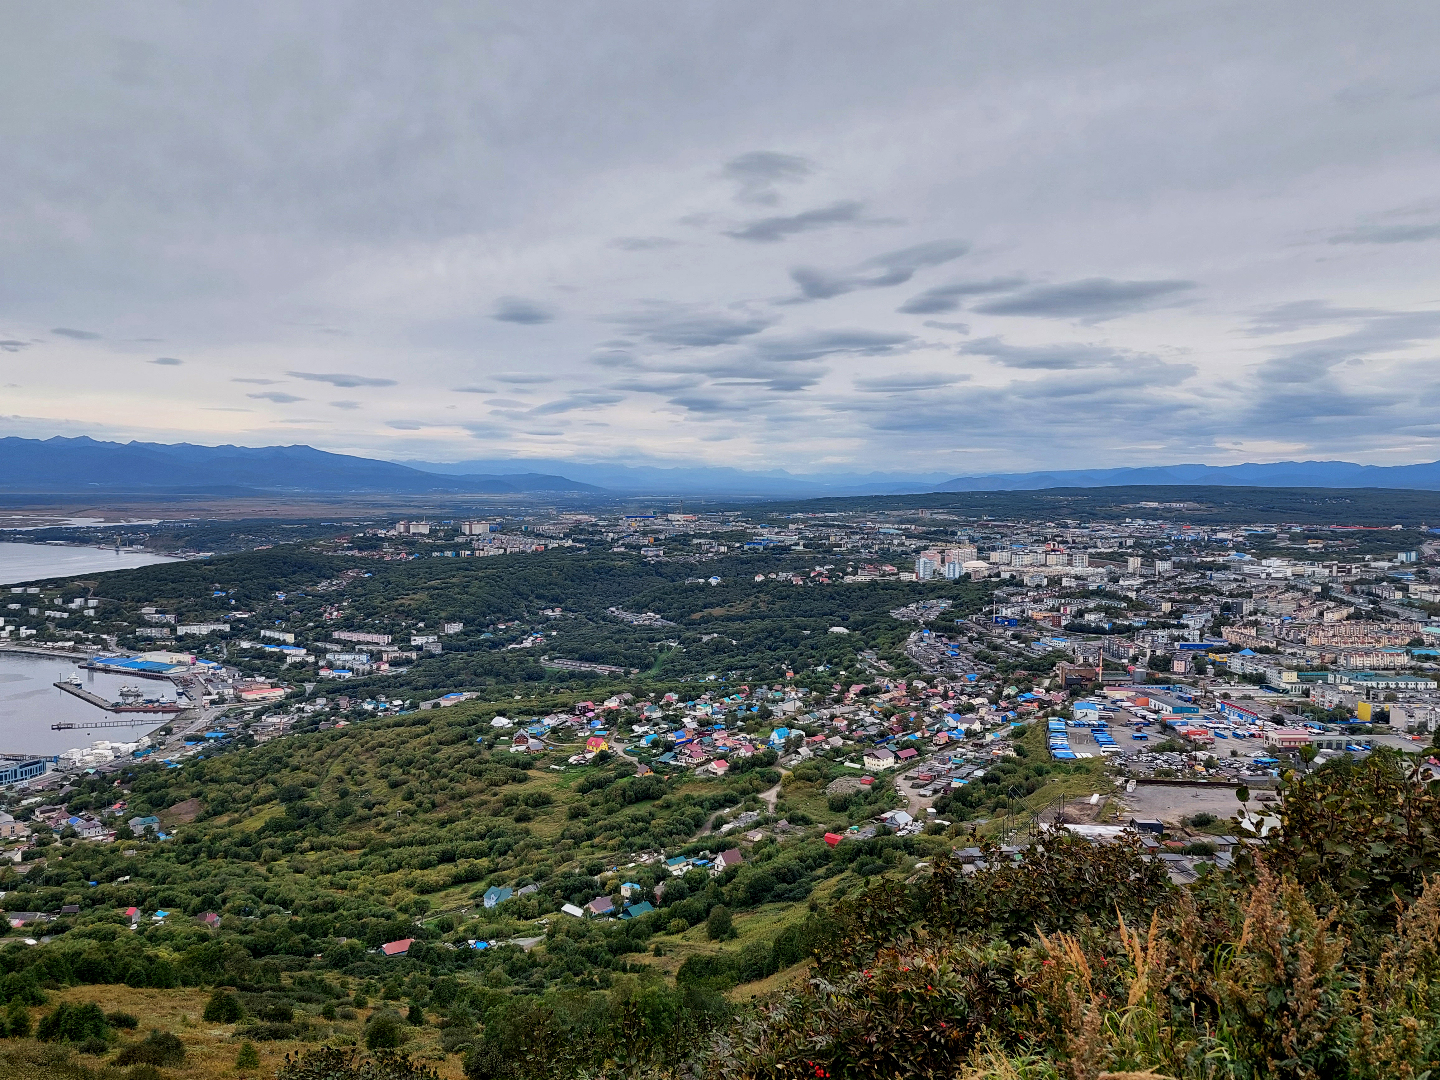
x=1316 y=954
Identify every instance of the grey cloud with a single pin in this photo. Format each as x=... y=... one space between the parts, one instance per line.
x=944 y=298
x=908 y=383
x=403 y=425
x=818 y=285
x=482 y=429
x=759 y=171
x=1128 y=395
x=78 y=335
x=958 y=327
x=643 y=243
x=344 y=382
x=901 y=265
x=710 y=404
x=613 y=358
x=472 y=390
x=1095 y=299
x=1046 y=357
x=522 y=378
x=691 y=326
x=276 y=396
x=657 y=384
x=782 y=363
x=817 y=343
x=1387 y=234
x=1377 y=335
x=877 y=272
x=773 y=229
x=345 y=405
x=257 y=382
x=166 y=361
x=579 y=400
x=1303 y=314
x=516 y=309
x=11 y=345
x=778 y=374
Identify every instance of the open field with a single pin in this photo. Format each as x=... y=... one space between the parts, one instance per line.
x=210 y=1048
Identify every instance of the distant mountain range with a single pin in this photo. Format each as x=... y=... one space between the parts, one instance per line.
x=1290 y=474
x=683 y=481
x=79 y=465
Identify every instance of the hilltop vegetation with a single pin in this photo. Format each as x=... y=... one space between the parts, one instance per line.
x=316 y=849
x=1313 y=957
x=755 y=628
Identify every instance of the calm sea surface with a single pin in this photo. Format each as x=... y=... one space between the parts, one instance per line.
x=32 y=562
x=29 y=704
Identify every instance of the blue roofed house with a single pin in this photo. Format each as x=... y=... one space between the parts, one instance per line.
x=497 y=894
x=779 y=735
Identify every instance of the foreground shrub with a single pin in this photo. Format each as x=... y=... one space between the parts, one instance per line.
x=384 y=1031
x=332 y=1064
x=73 y=1023
x=157 y=1048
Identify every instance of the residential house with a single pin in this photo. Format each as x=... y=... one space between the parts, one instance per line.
x=879 y=758
x=601 y=905
x=497 y=894
x=397 y=948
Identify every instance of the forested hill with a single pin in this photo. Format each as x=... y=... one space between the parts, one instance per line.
x=755 y=629
x=69 y=465
x=1197 y=505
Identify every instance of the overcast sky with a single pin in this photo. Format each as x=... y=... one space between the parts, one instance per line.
x=830 y=235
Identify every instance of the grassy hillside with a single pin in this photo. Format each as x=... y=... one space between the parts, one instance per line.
x=316 y=849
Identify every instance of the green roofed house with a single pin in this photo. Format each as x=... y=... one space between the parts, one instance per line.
x=634 y=911
x=497 y=894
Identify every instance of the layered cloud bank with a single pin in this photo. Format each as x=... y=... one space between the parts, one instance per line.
x=821 y=238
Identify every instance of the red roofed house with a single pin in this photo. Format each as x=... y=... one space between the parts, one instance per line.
x=833 y=838
x=397 y=948
x=908 y=753
x=729 y=858
x=209 y=919
x=133 y=914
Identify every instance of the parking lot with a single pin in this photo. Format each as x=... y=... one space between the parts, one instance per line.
x=1170 y=802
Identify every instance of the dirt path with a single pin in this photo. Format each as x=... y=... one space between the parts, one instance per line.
x=769 y=797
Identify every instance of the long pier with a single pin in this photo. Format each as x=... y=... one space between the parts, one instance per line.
x=65 y=725
x=115 y=706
